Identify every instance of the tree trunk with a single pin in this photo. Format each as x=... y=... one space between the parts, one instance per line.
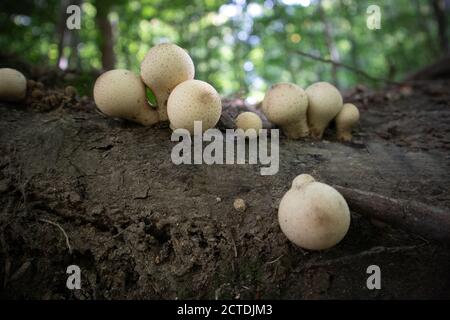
x=351 y=38
x=441 y=21
x=439 y=69
x=61 y=30
x=329 y=41
x=106 y=40
x=66 y=36
x=424 y=24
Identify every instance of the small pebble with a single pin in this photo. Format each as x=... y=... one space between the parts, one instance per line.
x=239 y=205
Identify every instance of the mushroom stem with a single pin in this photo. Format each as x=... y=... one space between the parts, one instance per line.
x=317 y=132
x=148 y=116
x=296 y=130
x=344 y=134
x=161 y=100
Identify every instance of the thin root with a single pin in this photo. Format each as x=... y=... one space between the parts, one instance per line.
x=62 y=230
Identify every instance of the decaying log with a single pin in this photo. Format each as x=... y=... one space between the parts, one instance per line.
x=439 y=69
x=428 y=221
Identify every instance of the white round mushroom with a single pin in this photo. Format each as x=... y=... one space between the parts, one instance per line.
x=285 y=104
x=248 y=120
x=325 y=102
x=194 y=100
x=345 y=121
x=13 y=85
x=121 y=93
x=313 y=215
x=163 y=68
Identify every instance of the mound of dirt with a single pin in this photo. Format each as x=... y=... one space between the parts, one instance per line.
x=79 y=188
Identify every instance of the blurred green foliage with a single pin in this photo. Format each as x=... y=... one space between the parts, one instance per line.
x=241 y=47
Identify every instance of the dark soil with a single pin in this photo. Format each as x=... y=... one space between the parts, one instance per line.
x=141 y=227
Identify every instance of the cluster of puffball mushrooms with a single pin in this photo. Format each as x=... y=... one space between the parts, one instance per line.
x=301 y=113
x=169 y=72
x=311 y=214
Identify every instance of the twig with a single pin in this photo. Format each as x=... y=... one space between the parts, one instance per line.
x=234 y=246
x=20 y=272
x=275 y=260
x=62 y=230
x=345 y=66
x=416 y=217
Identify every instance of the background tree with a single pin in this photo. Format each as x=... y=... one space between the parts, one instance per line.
x=240 y=46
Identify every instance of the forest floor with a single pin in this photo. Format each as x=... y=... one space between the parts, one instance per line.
x=141 y=227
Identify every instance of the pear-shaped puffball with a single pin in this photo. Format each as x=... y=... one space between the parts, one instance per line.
x=313 y=215
x=345 y=121
x=194 y=100
x=325 y=102
x=285 y=104
x=13 y=85
x=121 y=93
x=164 y=67
x=248 y=120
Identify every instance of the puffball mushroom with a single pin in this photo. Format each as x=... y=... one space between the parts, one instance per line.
x=325 y=102
x=345 y=121
x=248 y=120
x=285 y=104
x=13 y=85
x=121 y=93
x=164 y=67
x=194 y=100
x=313 y=215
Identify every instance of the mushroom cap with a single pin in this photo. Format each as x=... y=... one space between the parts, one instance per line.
x=285 y=103
x=13 y=85
x=313 y=215
x=120 y=93
x=165 y=66
x=325 y=102
x=348 y=116
x=194 y=100
x=248 y=120
x=300 y=180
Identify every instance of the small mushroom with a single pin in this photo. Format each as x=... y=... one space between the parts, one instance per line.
x=164 y=67
x=194 y=100
x=345 y=121
x=313 y=215
x=121 y=93
x=285 y=104
x=325 y=102
x=248 y=120
x=13 y=85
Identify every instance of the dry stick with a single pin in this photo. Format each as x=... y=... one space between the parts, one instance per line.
x=416 y=217
x=275 y=260
x=62 y=230
x=346 y=66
